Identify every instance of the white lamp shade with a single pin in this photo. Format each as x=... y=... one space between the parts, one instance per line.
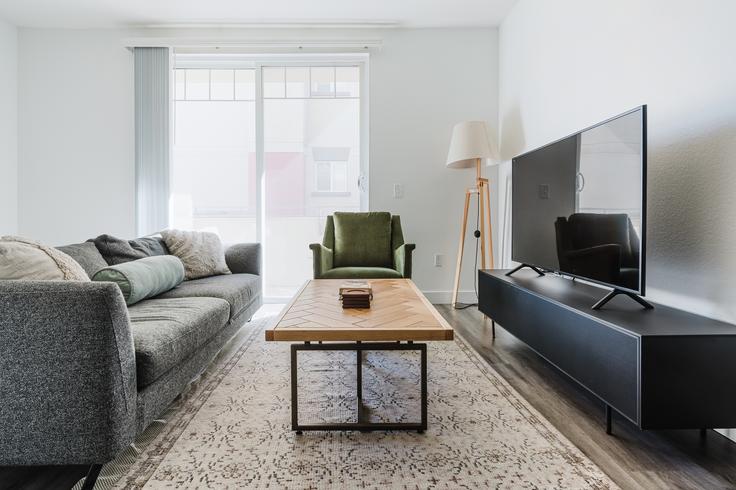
x=469 y=142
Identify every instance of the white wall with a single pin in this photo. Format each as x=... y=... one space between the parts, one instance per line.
x=422 y=83
x=8 y=129
x=570 y=63
x=76 y=144
x=77 y=139
x=567 y=65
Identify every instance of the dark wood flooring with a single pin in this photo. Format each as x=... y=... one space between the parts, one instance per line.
x=632 y=458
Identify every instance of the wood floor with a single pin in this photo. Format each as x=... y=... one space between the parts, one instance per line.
x=632 y=458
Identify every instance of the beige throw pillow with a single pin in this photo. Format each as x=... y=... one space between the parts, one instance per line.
x=201 y=252
x=24 y=259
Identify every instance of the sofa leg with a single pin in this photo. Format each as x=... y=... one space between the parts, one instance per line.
x=92 y=474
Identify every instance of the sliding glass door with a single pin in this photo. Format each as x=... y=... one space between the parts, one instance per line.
x=213 y=178
x=311 y=120
x=264 y=150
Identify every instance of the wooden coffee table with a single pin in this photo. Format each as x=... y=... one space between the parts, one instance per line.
x=399 y=317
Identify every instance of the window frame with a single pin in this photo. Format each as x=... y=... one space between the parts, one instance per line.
x=332 y=191
x=260 y=61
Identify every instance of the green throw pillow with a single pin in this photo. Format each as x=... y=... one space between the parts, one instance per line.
x=144 y=278
x=363 y=239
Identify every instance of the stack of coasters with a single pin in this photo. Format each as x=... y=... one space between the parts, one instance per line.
x=356 y=294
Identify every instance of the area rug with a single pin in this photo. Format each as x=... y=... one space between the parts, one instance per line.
x=233 y=429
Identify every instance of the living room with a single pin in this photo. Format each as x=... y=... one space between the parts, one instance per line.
x=231 y=166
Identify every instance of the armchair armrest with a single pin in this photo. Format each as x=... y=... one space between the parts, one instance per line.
x=596 y=252
x=244 y=258
x=602 y=262
x=67 y=373
x=402 y=259
x=322 y=259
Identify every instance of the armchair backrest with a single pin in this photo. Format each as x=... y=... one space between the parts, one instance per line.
x=584 y=230
x=363 y=239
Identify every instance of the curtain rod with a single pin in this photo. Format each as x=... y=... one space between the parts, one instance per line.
x=343 y=24
x=159 y=42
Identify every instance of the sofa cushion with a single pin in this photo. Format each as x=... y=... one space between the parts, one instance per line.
x=144 y=278
x=87 y=255
x=167 y=331
x=239 y=290
x=361 y=273
x=363 y=239
x=28 y=260
x=201 y=252
x=118 y=251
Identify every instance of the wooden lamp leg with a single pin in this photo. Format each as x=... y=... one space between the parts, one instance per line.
x=486 y=232
x=487 y=192
x=482 y=220
x=460 y=249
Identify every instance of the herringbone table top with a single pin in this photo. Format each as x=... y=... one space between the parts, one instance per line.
x=399 y=311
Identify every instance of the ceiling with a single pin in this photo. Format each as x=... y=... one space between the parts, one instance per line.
x=85 y=14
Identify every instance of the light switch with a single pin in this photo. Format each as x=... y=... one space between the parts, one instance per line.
x=398 y=191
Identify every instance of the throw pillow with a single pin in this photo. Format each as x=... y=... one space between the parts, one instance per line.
x=87 y=255
x=118 y=251
x=144 y=278
x=363 y=239
x=24 y=259
x=201 y=252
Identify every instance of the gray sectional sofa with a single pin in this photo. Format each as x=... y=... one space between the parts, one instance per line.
x=81 y=373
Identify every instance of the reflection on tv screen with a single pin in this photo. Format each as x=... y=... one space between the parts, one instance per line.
x=577 y=204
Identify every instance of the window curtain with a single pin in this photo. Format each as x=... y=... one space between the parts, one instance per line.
x=152 y=139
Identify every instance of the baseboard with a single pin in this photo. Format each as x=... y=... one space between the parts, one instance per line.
x=445 y=297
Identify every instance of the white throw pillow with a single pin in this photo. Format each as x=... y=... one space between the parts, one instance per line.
x=24 y=259
x=201 y=252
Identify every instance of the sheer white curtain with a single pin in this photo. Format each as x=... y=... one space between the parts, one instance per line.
x=152 y=138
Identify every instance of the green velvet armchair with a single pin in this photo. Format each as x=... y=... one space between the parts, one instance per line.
x=362 y=246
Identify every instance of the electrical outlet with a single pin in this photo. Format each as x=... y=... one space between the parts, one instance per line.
x=398 y=191
x=543 y=191
x=438 y=260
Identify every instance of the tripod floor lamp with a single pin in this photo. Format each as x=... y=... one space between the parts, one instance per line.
x=468 y=148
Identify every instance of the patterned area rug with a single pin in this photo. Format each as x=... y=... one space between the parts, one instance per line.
x=232 y=429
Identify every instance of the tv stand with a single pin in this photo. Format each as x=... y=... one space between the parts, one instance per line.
x=659 y=368
x=535 y=269
x=647 y=305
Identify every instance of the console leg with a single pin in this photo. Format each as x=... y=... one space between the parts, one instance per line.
x=359 y=385
x=91 y=478
x=703 y=433
x=609 y=420
x=493 y=329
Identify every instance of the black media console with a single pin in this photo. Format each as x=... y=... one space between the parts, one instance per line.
x=660 y=368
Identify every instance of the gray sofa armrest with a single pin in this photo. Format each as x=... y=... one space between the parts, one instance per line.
x=67 y=373
x=244 y=258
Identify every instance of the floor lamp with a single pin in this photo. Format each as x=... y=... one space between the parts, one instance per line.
x=468 y=148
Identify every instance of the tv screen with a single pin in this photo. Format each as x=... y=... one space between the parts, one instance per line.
x=579 y=204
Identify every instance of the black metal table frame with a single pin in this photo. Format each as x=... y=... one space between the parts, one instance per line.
x=362 y=424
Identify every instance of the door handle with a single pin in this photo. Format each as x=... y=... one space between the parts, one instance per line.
x=580 y=182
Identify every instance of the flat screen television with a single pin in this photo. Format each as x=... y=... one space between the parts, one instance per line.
x=579 y=204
